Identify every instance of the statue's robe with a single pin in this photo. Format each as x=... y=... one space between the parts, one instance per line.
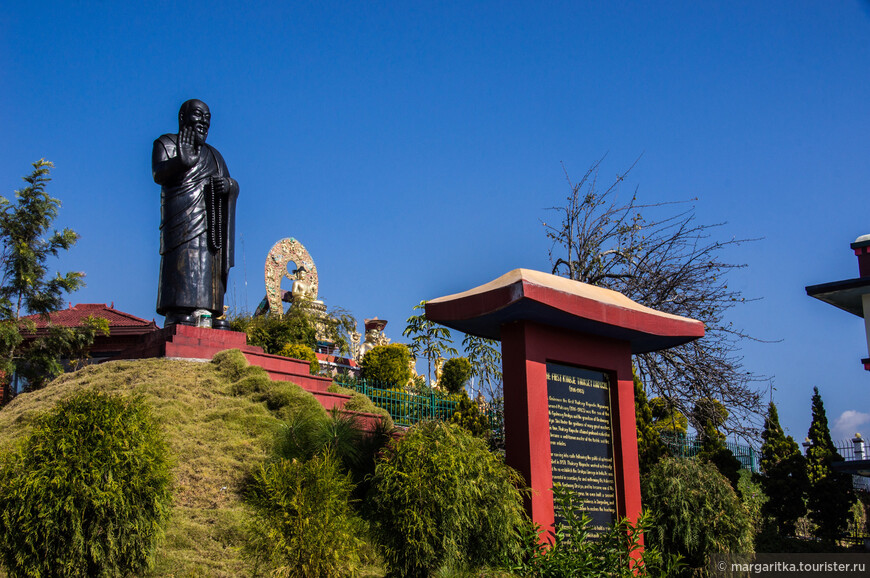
x=197 y=230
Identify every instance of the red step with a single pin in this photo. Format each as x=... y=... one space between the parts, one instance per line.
x=182 y=341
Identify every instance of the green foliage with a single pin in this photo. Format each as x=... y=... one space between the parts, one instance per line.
x=650 y=448
x=26 y=244
x=307 y=435
x=830 y=493
x=387 y=365
x=469 y=417
x=272 y=333
x=709 y=415
x=303 y=352
x=753 y=498
x=231 y=364
x=303 y=524
x=572 y=552
x=784 y=478
x=667 y=418
x=87 y=494
x=695 y=511
x=455 y=375
x=440 y=498
x=361 y=402
x=485 y=358
x=428 y=339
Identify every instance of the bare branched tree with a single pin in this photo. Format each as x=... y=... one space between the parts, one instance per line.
x=671 y=264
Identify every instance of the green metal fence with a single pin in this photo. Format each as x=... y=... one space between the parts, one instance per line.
x=406 y=409
x=686 y=446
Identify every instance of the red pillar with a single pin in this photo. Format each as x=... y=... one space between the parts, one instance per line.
x=526 y=349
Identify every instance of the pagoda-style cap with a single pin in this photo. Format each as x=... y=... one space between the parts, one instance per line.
x=526 y=295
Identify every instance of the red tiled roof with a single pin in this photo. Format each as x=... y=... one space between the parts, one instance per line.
x=74 y=315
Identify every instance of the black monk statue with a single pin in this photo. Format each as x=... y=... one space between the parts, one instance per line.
x=197 y=219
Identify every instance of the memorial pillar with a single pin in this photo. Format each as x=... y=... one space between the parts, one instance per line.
x=568 y=385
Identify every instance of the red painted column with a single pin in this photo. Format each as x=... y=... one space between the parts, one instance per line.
x=526 y=348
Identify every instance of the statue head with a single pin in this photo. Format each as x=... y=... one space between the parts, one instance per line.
x=195 y=113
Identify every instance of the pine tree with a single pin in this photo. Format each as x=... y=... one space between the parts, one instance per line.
x=830 y=493
x=26 y=243
x=784 y=477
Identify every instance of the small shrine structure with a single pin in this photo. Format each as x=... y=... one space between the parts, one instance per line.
x=568 y=388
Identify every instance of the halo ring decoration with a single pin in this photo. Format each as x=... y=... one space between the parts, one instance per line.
x=284 y=252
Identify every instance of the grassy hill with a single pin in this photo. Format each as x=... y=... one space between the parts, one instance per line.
x=220 y=420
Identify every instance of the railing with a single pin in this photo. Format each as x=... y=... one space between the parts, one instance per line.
x=405 y=408
x=686 y=446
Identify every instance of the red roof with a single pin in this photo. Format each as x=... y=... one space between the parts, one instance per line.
x=75 y=314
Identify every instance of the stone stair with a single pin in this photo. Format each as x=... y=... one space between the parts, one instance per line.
x=200 y=344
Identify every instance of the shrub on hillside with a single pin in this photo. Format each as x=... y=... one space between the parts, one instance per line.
x=303 y=524
x=303 y=352
x=695 y=511
x=362 y=403
x=441 y=499
x=305 y=436
x=389 y=365
x=88 y=493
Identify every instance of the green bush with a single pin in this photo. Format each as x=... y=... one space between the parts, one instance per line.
x=362 y=403
x=456 y=373
x=441 y=499
x=695 y=511
x=302 y=523
x=88 y=493
x=303 y=352
x=388 y=365
x=231 y=363
x=272 y=333
x=469 y=417
x=305 y=436
x=573 y=553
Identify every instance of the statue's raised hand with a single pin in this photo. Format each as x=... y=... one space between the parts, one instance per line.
x=187 y=152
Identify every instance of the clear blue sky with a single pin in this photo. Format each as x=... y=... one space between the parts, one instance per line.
x=413 y=147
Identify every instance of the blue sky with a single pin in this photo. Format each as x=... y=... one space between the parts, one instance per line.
x=414 y=147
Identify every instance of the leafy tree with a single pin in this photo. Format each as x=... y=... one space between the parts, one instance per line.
x=670 y=264
x=784 y=480
x=485 y=358
x=272 y=333
x=695 y=512
x=428 y=339
x=650 y=448
x=26 y=288
x=303 y=352
x=89 y=491
x=709 y=415
x=455 y=375
x=830 y=493
x=667 y=419
x=388 y=364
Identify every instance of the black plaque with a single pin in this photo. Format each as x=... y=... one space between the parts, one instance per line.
x=581 y=439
